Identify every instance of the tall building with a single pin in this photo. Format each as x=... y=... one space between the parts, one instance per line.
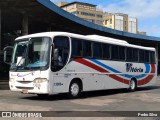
x=132 y=25
x=83 y=10
x=89 y=12
x=120 y=21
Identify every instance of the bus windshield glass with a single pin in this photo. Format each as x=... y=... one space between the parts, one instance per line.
x=31 y=54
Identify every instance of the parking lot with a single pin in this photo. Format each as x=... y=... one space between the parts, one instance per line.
x=144 y=99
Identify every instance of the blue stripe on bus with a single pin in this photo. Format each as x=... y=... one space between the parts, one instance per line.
x=124 y=75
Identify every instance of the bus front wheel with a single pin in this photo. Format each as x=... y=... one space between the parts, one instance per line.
x=74 y=90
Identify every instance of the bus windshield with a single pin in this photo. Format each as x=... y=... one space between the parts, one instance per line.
x=31 y=54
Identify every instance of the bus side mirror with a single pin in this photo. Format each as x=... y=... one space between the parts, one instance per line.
x=7 y=54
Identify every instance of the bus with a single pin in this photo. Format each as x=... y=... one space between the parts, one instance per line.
x=60 y=62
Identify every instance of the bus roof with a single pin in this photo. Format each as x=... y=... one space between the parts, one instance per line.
x=95 y=38
x=108 y=38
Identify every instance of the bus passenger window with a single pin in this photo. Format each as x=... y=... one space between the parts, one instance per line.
x=152 y=57
x=121 y=53
x=115 y=54
x=147 y=56
x=129 y=54
x=61 y=48
x=141 y=56
x=97 y=50
x=106 y=51
x=76 y=47
x=87 y=49
x=135 y=55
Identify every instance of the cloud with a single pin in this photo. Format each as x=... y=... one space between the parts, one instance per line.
x=142 y=9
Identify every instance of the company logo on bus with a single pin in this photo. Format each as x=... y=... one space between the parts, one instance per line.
x=129 y=68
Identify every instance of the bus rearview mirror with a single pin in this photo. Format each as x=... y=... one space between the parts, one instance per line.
x=7 y=54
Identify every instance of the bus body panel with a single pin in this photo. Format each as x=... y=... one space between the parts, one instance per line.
x=104 y=74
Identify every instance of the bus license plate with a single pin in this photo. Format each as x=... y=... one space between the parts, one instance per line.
x=25 y=91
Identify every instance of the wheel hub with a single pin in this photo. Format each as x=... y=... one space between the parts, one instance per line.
x=74 y=89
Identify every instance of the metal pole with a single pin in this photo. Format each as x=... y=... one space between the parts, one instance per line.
x=25 y=25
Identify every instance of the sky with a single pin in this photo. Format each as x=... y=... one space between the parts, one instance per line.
x=146 y=11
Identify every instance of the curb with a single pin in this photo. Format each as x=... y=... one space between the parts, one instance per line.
x=4 y=85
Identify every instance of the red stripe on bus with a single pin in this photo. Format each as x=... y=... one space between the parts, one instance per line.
x=91 y=65
x=153 y=69
x=148 y=78
x=115 y=77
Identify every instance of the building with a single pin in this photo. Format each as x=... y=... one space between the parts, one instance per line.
x=83 y=10
x=89 y=12
x=60 y=4
x=132 y=25
x=120 y=21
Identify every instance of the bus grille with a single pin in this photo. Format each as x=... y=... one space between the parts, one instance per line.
x=24 y=82
x=26 y=88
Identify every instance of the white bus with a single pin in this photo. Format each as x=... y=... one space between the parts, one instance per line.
x=60 y=62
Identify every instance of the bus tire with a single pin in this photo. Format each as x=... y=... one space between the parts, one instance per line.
x=74 y=89
x=132 y=85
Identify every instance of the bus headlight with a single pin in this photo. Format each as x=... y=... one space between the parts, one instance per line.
x=40 y=80
x=12 y=80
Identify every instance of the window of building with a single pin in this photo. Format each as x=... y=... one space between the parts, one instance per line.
x=99 y=16
x=110 y=21
x=125 y=28
x=86 y=7
x=125 y=22
x=75 y=12
x=106 y=21
x=80 y=6
x=87 y=14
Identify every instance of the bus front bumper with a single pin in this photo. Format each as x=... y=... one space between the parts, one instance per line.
x=30 y=87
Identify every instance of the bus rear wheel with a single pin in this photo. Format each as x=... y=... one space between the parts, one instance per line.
x=74 y=90
x=133 y=85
